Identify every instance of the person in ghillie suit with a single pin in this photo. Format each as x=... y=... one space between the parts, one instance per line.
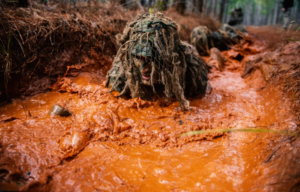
x=150 y=55
x=203 y=39
x=236 y=17
x=236 y=20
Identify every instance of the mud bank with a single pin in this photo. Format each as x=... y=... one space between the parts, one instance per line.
x=40 y=45
x=127 y=144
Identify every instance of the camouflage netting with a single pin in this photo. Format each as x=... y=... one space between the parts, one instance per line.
x=155 y=36
x=203 y=39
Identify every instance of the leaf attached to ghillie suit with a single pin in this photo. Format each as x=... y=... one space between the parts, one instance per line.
x=155 y=37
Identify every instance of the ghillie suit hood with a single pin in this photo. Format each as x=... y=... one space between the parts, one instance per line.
x=156 y=37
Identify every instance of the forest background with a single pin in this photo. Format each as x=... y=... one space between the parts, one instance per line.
x=256 y=12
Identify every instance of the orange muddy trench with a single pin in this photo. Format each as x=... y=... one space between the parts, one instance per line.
x=111 y=144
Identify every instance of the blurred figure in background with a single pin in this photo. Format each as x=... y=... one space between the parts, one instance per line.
x=236 y=17
x=286 y=9
x=203 y=39
x=236 y=20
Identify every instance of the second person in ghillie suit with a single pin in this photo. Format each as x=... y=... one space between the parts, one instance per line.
x=236 y=17
x=152 y=54
x=203 y=39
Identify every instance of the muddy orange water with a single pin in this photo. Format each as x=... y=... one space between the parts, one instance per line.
x=111 y=144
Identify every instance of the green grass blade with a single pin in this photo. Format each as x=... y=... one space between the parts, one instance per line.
x=9 y=38
x=240 y=130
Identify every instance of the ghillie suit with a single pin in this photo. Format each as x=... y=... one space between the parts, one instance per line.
x=154 y=36
x=203 y=39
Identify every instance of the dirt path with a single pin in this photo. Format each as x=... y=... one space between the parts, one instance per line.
x=112 y=144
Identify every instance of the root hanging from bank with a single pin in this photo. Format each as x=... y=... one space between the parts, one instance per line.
x=7 y=64
x=292 y=86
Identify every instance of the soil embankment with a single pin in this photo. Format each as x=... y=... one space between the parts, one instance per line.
x=40 y=45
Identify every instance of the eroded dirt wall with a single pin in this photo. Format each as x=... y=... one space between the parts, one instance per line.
x=42 y=44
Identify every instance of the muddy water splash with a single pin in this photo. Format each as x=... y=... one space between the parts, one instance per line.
x=132 y=145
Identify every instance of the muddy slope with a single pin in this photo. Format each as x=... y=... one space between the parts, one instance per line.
x=281 y=69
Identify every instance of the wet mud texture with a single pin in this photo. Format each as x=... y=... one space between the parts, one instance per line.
x=122 y=144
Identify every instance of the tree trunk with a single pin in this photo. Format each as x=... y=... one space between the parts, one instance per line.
x=204 y=8
x=225 y=18
x=180 y=6
x=164 y=5
x=209 y=8
x=247 y=14
x=252 y=14
x=200 y=6
x=297 y=10
x=275 y=15
x=215 y=8
x=222 y=6
x=270 y=16
x=194 y=9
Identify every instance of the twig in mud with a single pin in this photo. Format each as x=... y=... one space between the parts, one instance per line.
x=271 y=155
x=8 y=119
x=26 y=109
x=251 y=130
x=104 y=146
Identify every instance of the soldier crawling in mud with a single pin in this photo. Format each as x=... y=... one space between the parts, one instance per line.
x=236 y=17
x=203 y=39
x=151 y=54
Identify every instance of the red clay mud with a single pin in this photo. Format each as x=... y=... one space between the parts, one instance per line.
x=121 y=144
